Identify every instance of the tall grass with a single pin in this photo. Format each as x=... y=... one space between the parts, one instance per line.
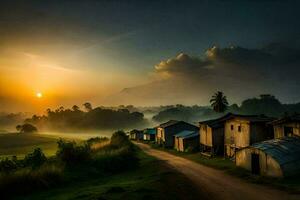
x=27 y=180
x=37 y=172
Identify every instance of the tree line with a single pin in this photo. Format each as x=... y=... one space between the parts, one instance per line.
x=89 y=118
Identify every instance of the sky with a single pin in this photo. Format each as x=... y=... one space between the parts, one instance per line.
x=112 y=52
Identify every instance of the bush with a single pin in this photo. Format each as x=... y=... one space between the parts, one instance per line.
x=70 y=152
x=96 y=140
x=119 y=139
x=8 y=165
x=116 y=160
x=191 y=149
x=35 y=159
x=26 y=181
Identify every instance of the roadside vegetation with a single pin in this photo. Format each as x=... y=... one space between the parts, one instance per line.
x=98 y=168
x=290 y=184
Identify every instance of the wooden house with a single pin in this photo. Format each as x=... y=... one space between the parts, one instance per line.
x=186 y=140
x=136 y=134
x=212 y=136
x=286 y=126
x=274 y=158
x=149 y=134
x=166 y=131
x=241 y=131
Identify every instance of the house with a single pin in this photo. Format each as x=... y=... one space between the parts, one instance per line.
x=212 y=136
x=241 y=131
x=136 y=134
x=274 y=158
x=287 y=126
x=186 y=140
x=149 y=134
x=166 y=131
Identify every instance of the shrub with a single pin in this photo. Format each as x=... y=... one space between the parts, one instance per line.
x=26 y=181
x=35 y=159
x=96 y=140
x=117 y=160
x=70 y=152
x=191 y=149
x=8 y=165
x=119 y=139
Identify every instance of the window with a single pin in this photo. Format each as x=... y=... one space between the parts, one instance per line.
x=231 y=127
x=239 y=128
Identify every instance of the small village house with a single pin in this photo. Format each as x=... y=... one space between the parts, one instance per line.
x=136 y=134
x=166 y=131
x=212 y=136
x=186 y=141
x=149 y=134
x=287 y=126
x=274 y=158
x=243 y=130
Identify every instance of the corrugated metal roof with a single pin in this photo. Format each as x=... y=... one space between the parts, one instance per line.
x=191 y=136
x=187 y=134
x=286 y=151
x=168 y=123
x=251 y=118
x=287 y=119
x=150 y=131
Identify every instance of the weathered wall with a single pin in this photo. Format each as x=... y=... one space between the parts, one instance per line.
x=279 y=129
x=160 y=136
x=183 y=144
x=205 y=135
x=235 y=138
x=170 y=131
x=268 y=166
x=259 y=132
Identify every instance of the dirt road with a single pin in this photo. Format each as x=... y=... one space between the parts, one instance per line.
x=215 y=184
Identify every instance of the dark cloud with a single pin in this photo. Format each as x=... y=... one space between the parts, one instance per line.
x=239 y=72
x=269 y=61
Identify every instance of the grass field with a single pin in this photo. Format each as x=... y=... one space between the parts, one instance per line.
x=21 y=144
x=152 y=180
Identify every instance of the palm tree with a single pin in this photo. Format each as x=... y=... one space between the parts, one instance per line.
x=219 y=102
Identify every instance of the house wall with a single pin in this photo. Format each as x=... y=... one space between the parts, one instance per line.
x=279 y=129
x=176 y=143
x=182 y=144
x=259 y=132
x=218 y=140
x=212 y=137
x=170 y=131
x=233 y=138
x=160 y=136
x=268 y=165
x=205 y=135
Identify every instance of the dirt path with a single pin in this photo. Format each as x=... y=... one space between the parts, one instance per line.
x=215 y=184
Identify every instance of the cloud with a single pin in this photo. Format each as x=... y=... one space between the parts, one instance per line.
x=239 y=72
x=267 y=62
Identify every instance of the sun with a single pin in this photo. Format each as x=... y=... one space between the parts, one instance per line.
x=39 y=95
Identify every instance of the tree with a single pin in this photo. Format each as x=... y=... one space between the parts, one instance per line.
x=26 y=128
x=219 y=102
x=75 y=108
x=88 y=106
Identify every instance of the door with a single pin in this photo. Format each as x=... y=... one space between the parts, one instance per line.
x=288 y=131
x=255 y=163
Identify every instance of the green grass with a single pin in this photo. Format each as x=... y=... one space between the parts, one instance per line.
x=290 y=184
x=21 y=144
x=152 y=180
